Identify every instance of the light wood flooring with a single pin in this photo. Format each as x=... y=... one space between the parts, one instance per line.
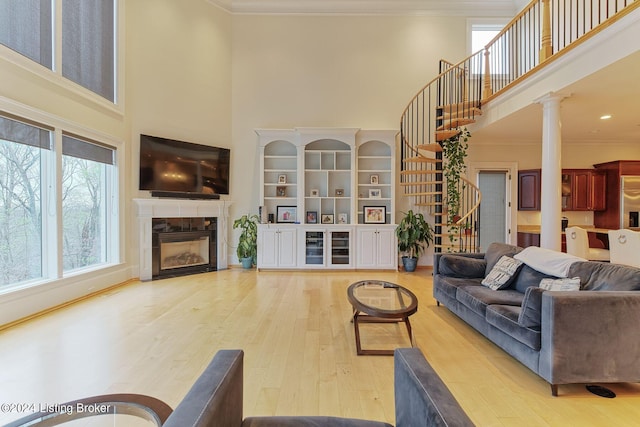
x=156 y=337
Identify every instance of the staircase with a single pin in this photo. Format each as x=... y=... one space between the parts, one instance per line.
x=433 y=122
x=435 y=119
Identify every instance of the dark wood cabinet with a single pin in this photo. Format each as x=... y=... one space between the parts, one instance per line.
x=609 y=217
x=582 y=190
x=528 y=239
x=529 y=190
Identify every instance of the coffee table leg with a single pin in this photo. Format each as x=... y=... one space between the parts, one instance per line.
x=410 y=331
x=356 y=329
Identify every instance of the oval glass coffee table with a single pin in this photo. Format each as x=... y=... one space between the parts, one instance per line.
x=376 y=301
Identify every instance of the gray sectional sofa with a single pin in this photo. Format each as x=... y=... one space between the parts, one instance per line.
x=586 y=336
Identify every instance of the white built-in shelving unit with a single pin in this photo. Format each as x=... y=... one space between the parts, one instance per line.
x=317 y=185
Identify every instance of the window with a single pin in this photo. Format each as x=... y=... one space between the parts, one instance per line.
x=37 y=245
x=26 y=26
x=87 y=38
x=88 y=45
x=86 y=172
x=481 y=36
x=23 y=150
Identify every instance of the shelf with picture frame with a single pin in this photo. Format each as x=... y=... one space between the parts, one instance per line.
x=330 y=175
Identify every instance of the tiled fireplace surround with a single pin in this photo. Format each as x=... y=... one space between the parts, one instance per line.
x=148 y=209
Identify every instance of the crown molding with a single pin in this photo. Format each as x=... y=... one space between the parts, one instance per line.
x=492 y=8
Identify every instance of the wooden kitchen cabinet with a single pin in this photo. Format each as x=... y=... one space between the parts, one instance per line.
x=582 y=190
x=529 y=190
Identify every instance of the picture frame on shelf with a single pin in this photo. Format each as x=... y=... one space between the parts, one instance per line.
x=286 y=214
x=282 y=179
x=281 y=191
x=339 y=192
x=314 y=192
x=375 y=193
x=374 y=179
x=327 y=218
x=374 y=214
x=312 y=217
x=343 y=218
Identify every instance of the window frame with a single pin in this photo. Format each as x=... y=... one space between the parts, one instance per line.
x=72 y=88
x=51 y=177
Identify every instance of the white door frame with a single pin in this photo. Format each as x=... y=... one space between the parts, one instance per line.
x=511 y=168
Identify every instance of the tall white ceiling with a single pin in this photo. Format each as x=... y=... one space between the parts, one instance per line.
x=476 y=8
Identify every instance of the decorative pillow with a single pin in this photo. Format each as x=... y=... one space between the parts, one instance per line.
x=495 y=251
x=572 y=284
x=502 y=274
x=547 y=261
x=461 y=266
x=531 y=311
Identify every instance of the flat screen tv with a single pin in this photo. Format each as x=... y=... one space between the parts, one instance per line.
x=171 y=168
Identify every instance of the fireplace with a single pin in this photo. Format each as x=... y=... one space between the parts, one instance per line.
x=182 y=246
x=173 y=219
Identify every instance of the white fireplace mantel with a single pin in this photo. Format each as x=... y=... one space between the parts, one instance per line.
x=147 y=209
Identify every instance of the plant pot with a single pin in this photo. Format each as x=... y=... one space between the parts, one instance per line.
x=247 y=262
x=409 y=264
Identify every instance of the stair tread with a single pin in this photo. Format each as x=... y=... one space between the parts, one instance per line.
x=441 y=135
x=465 y=112
x=433 y=147
x=421 y=172
x=424 y=193
x=421 y=159
x=409 y=184
x=448 y=108
x=454 y=123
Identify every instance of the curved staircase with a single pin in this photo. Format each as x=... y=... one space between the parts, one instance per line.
x=435 y=117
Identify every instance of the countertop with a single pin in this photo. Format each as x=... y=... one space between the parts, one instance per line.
x=535 y=229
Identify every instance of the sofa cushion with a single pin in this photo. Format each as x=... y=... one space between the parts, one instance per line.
x=600 y=276
x=547 y=261
x=495 y=251
x=449 y=285
x=531 y=311
x=528 y=277
x=502 y=273
x=505 y=318
x=461 y=266
x=477 y=298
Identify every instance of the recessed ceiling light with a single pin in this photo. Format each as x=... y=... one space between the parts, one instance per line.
x=605 y=117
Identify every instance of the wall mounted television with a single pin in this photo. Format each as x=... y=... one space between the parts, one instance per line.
x=172 y=168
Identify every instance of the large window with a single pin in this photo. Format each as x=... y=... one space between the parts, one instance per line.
x=44 y=236
x=86 y=172
x=23 y=149
x=87 y=42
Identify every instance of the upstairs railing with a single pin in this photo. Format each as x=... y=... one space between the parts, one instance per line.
x=542 y=31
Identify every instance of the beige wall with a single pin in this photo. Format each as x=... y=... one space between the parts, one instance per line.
x=178 y=80
x=333 y=71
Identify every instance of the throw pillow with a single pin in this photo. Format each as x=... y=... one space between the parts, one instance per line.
x=502 y=273
x=531 y=310
x=495 y=251
x=572 y=284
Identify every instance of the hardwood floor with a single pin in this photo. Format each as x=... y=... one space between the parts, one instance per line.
x=156 y=337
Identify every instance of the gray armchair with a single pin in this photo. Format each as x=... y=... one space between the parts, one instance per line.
x=421 y=398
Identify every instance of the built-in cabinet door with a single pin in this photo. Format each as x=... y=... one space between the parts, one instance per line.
x=276 y=247
x=377 y=248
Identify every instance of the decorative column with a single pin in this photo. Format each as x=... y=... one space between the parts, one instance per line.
x=551 y=203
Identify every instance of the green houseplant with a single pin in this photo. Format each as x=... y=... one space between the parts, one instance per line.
x=247 y=249
x=454 y=151
x=414 y=236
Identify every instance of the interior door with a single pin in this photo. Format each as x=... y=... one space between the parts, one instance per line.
x=493 y=208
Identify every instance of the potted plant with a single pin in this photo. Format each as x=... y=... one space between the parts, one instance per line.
x=414 y=236
x=248 y=241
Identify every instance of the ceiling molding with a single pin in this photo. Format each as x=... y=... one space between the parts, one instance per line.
x=492 y=8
